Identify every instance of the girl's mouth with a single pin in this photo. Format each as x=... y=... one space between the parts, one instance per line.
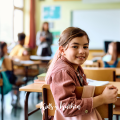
x=81 y=57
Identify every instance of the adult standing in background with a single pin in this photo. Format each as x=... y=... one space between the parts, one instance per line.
x=44 y=41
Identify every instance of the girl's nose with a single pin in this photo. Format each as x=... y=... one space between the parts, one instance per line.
x=81 y=50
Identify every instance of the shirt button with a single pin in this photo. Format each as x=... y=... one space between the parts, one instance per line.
x=86 y=111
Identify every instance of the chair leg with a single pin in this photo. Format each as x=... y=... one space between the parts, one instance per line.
x=2 y=102
x=117 y=117
x=15 y=112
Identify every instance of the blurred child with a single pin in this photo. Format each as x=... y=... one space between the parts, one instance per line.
x=7 y=65
x=112 y=57
x=9 y=79
x=19 y=49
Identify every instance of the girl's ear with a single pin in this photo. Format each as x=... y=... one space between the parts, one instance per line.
x=61 y=49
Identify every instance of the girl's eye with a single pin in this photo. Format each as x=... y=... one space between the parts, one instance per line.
x=74 y=46
x=85 y=47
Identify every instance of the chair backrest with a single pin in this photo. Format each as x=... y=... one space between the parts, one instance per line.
x=100 y=63
x=101 y=74
x=118 y=65
x=106 y=110
x=1 y=82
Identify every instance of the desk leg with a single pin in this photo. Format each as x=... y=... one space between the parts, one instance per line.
x=26 y=106
x=26 y=73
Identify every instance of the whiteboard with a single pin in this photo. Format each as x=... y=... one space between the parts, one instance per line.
x=100 y=25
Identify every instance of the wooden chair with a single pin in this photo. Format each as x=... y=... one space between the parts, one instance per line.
x=9 y=66
x=100 y=74
x=104 y=110
x=103 y=74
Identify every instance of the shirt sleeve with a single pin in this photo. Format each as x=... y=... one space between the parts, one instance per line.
x=15 y=50
x=38 y=38
x=63 y=89
x=20 y=53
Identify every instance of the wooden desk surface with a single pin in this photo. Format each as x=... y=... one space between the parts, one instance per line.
x=96 y=68
x=37 y=87
x=34 y=63
x=44 y=58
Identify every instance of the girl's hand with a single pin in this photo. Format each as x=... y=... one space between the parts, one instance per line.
x=42 y=39
x=109 y=94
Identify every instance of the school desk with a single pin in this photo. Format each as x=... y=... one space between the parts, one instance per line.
x=30 y=88
x=1 y=85
x=90 y=63
x=43 y=58
x=37 y=87
x=27 y=64
x=117 y=70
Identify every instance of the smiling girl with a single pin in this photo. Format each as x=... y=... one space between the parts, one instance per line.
x=65 y=73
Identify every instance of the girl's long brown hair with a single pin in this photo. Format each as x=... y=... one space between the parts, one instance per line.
x=66 y=36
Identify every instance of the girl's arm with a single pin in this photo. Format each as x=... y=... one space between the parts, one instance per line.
x=108 y=96
x=63 y=86
x=7 y=62
x=38 y=38
x=63 y=89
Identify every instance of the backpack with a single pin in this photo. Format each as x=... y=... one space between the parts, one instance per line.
x=7 y=87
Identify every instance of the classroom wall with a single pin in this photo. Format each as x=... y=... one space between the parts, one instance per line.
x=26 y=17
x=66 y=8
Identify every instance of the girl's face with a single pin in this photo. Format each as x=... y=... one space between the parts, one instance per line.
x=77 y=51
x=5 y=49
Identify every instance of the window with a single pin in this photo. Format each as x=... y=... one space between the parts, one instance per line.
x=11 y=19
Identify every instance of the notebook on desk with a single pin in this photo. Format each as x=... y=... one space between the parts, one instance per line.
x=41 y=76
x=96 y=82
x=39 y=81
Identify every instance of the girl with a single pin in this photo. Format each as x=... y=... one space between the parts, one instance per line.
x=44 y=41
x=65 y=73
x=7 y=65
x=112 y=57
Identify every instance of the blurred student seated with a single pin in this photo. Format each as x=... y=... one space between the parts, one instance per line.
x=19 y=49
x=6 y=65
x=112 y=58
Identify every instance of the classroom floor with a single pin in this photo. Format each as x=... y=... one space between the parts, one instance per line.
x=32 y=101
x=9 y=111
